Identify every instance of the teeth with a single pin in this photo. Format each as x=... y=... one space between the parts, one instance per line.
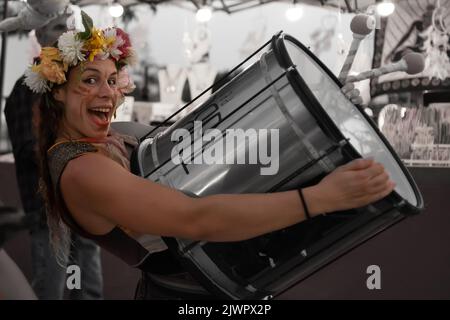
x=106 y=110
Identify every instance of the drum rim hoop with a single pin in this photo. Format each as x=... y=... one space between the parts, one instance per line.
x=296 y=80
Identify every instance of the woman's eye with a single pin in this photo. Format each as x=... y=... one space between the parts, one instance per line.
x=89 y=81
x=112 y=82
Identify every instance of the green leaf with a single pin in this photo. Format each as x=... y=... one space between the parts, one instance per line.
x=87 y=24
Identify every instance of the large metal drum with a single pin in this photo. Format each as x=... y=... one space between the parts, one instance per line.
x=287 y=93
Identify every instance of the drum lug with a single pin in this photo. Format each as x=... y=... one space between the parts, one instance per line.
x=304 y=253
x=344 y=142
x=400 y=204
x=251 y=288
x=291 y=68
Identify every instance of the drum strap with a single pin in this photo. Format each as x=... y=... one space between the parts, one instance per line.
x=325 y=163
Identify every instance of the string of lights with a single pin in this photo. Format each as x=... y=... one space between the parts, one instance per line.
x=205 y=9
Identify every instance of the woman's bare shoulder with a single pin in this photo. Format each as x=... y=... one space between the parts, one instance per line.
x=86 y=183
x=88 y=163
x=93 y=173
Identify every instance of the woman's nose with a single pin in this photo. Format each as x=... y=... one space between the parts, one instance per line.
x=106 y=91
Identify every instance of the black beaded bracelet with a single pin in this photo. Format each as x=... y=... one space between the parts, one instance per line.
x=305 y=207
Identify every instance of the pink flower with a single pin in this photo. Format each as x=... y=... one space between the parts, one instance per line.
x=125 y=82
x=125 y=44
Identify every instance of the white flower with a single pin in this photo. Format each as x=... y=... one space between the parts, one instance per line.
x=113 y=50
x=70 y=48
x=35 y=81
x=109 y=33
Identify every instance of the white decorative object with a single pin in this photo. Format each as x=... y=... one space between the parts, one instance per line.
x=171 y=82
x=198 y=44
x=200 y=77
x=124 y=112
x=436 y=45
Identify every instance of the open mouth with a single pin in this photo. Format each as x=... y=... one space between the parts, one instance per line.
x=100 y=115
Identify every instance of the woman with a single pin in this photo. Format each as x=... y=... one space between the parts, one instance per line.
x=87 y=184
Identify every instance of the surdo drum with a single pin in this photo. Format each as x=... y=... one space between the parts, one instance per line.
x=287 y=91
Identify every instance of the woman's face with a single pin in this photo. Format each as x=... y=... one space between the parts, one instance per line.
x=90 y=97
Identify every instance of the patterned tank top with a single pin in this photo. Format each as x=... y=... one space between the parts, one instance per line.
x=136 y=250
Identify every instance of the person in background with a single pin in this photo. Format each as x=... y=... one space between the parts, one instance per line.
x=49 y=271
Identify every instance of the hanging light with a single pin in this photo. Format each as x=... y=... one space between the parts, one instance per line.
x=385 y=8
x=116 y=10
x=294 y=12
x=203 y=14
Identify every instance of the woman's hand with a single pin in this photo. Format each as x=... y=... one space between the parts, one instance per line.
x=355 y=184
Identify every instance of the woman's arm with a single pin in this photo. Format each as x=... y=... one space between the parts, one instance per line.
x=96 y=189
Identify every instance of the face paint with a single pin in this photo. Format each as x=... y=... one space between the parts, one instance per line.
x=90 y=100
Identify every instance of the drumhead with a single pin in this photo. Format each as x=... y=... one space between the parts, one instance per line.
x=354 y=125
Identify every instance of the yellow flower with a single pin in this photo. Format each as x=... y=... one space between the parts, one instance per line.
x=96 y=44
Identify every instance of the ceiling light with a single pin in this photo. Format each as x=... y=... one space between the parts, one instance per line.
x=116 y=10
x=294 y=13
x=204 y=14
x=385 y=8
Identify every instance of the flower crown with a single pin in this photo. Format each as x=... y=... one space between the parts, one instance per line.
x=77 y=47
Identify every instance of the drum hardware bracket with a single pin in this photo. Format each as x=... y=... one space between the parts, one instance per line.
x=372 y=209
x=159 y=176
x=186 y=249
x=142 y=147
x=400 y=203
x=271 y=261
x=344 y=142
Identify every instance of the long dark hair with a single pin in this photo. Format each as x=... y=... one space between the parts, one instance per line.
x=49 y=121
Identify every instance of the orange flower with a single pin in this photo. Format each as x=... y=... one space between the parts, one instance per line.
x=53 y=71
x=50 y=53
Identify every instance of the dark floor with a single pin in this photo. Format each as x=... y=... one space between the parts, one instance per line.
x=414 y=255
